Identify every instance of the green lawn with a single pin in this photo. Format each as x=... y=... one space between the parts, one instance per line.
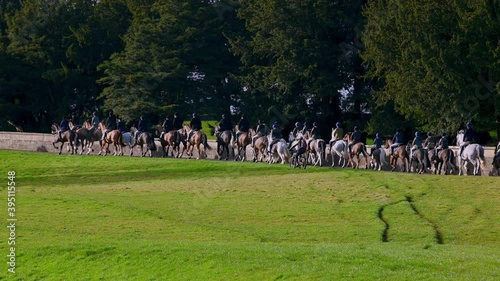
x=120 y=218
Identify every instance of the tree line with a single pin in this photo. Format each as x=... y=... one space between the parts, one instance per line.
x=378 y=64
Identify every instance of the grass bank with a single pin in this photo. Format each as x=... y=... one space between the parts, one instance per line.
x=119 y=218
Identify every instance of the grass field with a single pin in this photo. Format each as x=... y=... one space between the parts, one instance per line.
x=119 y=218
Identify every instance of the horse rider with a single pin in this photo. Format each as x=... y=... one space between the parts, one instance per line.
x=298 y=127
x=275 y=136
x=397 y=140
x=260 y=131
x=141 y=127
x=177 y=122
x=110 y=125
x=63 y=127
x=469 y=137
x=301 y=148
x=337 y=134
x=224 y=125
x=121 y=125
x=429 y=144
x=95 y=121
x=307 y=128
x=76 y=122
x=195 y=125
x=377 y=143
x=442 y=143
x=356 y=138
x=416 y=143
x=315 y=134
x=243 y=126
x=167 y=126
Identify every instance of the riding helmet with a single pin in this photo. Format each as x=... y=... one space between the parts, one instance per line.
x=377 y=135
x=242 y=116
x=297 y=124
x=275 y=126
x=443 y=134
x=194 y=114
x=356 y=128
x=398 y=130
x=417 y=134
x=259 y=122
x=338 y=124
x=429 y=134
x=315 y=124
x=469 y=125
x=223 y=115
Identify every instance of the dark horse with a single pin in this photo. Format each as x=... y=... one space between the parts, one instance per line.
x=223 y=143
x=66 y=136
x=445 y=158
x=399 y=153
x=144 y=138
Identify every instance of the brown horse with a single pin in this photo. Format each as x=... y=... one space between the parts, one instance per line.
x=419 y=158
x=114 y=137
x=169 y=140
x=243 y=140
x=197 y=138
x=144 y=138
x=399 y=153
x=66 y=136
x=259 y=148
x=94 y=135
x=316 y=151
x=445 y=158
x=356 y=150
x=223 y=143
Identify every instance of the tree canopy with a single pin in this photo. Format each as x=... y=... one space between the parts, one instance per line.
x=378 y=64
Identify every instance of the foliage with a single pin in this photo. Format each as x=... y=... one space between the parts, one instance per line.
x=438 y=60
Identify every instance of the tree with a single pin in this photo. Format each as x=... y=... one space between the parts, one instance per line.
x=437 y=60
x=299 y=55
x=176 y=58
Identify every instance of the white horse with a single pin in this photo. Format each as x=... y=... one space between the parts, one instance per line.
x=128 y=141
x=339 y=148
x=279 y=151
x=378 y=159
x=473 y=154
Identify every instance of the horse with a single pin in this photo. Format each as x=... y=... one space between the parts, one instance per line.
x=496 y=162
x=279 y=151
x=169 y=140
x=378 y=159
x=317 y=149
x=259 y=148
x=400 y=153
x=443 y=159
x=94 y=134
x=242 y=141
x=114 y=137
x=66 y=136
x=339 y=148
x=197 y=138
x=224 y=141
x=356 y=150
x=473 y=154
x=419 y=158
x=144 y=138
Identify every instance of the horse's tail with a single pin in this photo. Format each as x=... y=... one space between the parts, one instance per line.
x=204 y=140
x=382 y=157
x=480 y=153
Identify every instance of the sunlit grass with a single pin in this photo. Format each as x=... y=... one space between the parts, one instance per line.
x=120 y=218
